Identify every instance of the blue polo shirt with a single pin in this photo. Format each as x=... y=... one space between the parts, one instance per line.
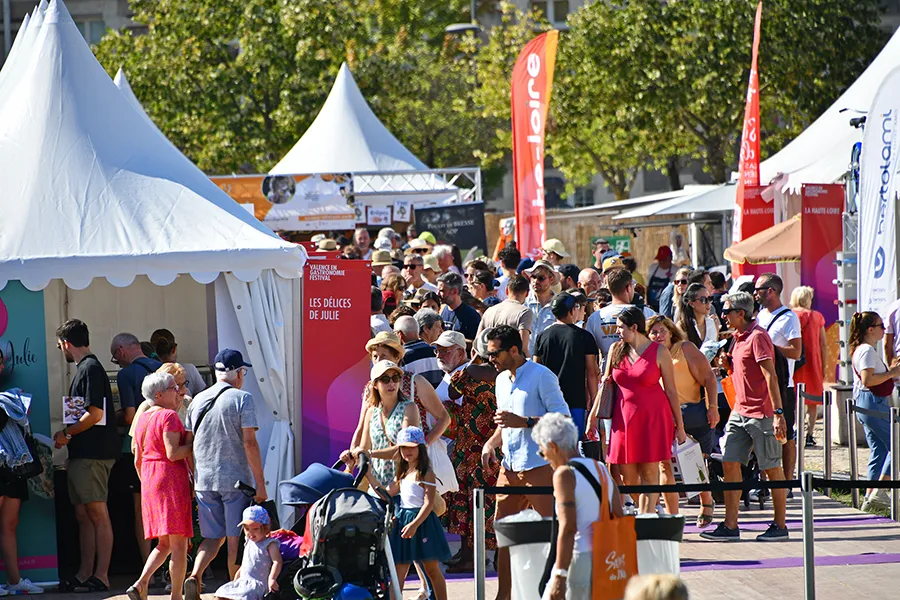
x=534 y=393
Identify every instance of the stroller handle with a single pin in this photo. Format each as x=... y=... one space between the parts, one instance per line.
x=363 y=468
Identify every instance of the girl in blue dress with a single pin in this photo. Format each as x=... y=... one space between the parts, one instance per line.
x=417 y=535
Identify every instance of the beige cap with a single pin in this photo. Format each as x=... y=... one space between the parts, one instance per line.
x=431 y=262
x=382 y=367
x=451 y=338
x=555 y=246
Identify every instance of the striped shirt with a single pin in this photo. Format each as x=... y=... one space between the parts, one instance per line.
x=421 y=360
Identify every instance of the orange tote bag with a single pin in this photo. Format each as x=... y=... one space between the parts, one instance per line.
x=614 y=552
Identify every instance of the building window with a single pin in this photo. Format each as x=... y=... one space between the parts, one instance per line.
x=583 y=196
x=555 y=11
x=91 y=29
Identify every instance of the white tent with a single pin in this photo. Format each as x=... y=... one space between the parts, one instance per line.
x=121 y=82
x=347 y=137
x=704 y=199
x=92 y=190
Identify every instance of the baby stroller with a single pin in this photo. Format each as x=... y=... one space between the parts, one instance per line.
x=349 y=532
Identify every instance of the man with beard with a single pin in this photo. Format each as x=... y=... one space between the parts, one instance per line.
x=450 y=348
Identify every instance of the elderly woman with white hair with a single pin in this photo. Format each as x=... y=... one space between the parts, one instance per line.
x=162 y=447
x=577 y=505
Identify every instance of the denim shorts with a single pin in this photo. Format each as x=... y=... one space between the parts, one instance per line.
x=220 y=513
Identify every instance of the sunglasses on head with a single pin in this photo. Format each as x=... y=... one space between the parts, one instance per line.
x=395 y=378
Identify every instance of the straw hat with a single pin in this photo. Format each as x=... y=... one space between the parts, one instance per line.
x=381 y=258
x=326 y=244
x=389 y=339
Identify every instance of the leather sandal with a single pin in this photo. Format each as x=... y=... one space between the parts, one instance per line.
x=703 y=519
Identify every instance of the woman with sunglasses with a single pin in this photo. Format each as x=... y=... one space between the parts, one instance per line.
x=679 y=286
x=695 y=318
x=873 y=386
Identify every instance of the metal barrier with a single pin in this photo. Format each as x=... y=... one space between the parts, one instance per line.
x=825 y=400
x=894 y=417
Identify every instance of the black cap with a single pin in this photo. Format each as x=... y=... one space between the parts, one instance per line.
x=229 y=360
x=569 y=270
x=562 y=304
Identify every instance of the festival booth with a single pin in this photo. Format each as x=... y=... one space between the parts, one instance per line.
x=104 y=220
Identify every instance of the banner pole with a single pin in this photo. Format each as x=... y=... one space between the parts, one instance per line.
x=826 y=416
x=809 y=554
x=851 y=440
x=479 y=543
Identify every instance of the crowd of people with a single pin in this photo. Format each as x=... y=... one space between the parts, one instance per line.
x=484 y=373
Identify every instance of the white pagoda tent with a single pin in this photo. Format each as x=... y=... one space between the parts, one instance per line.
x=95 y=198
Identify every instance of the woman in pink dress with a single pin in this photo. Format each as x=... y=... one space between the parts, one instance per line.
x=646 y=416
x=161 y=450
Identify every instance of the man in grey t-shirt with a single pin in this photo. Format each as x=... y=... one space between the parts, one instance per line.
x=223 y=421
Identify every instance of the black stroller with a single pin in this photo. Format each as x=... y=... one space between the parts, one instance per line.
x=350 y=535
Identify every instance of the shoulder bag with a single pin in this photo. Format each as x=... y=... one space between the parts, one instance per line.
x=208 y=408
x=608 y=390
x=614 y=545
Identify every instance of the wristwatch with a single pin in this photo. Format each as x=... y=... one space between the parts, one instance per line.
x=530 y=422
x=67 y=434
x=559 y=573
x=779 y=411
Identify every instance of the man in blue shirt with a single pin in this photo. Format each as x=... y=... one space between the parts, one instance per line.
x=525 y=392
x=542 y=277
x=457 y=315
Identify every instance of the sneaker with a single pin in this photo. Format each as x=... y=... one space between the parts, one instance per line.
x=773 y=534
x=722 y=534
x=3 y=591
x=23 y=587
x=877 y=500
x=810 y=442
x=756 y=495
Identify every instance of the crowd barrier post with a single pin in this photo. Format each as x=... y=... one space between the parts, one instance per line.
x=809 y=554
x=895 y=464
x=801 y=428
x=851 y=433
x=827 y=398
x=479 y=543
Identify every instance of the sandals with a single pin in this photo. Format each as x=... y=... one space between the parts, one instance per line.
x=91 y=585
x=69 y=584
x=703 y=519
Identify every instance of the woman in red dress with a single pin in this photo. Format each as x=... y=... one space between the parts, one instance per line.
x=812 y=373
x=646 y=416
x=162 y=448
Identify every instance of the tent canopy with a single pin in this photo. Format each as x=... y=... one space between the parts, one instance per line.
x=777 y=244
x=704 y=199
x=92 y=189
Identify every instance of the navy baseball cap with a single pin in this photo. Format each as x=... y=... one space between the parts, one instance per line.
x=229 y=360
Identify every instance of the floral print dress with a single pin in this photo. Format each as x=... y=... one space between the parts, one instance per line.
x=384 y=435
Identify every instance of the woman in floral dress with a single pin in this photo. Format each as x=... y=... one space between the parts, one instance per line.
x=472 y=422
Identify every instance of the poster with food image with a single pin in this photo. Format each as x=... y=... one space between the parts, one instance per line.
x=74 y=408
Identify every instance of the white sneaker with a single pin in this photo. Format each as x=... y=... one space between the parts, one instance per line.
x=3 y=591
x=24 y=587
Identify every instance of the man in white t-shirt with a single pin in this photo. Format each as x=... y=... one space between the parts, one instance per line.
x=783 y=326
x=602 y=323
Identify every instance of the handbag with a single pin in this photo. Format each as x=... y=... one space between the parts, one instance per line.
x=444 y=473
x=608 y=393
x=885 y=388
x=614 y=546
x=33 y=468
x=440 y=505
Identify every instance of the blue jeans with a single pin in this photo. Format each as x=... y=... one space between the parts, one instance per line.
x=878 y=433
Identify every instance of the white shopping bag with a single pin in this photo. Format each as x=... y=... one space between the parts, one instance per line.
x=691 y=464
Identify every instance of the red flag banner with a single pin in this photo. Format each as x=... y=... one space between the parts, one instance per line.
x=532 y=80
x=748 y=164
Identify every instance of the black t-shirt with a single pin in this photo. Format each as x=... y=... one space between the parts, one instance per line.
x=92 y=384
x=562 y=349
x=464 y=319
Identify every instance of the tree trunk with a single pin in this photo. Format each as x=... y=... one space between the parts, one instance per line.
x=673 y=166
x=715 y=159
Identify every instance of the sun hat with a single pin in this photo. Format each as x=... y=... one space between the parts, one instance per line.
x=381 y=258
x=417 y=243
x=428 y=237
x=382 y=367
x=612 y=262
x=480 y=343
x=387 y=232
x=411 y=436
x=555 y=246
x=431 y=262
x=389 y=339
x=451 y=338
x=326 y=244
x=255 y=514
x=542 y=264
x=383 y=244
x=317 y=238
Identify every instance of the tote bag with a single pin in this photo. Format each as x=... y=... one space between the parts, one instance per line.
x=614 y=552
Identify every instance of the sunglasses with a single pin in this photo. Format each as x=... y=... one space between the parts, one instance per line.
x=496 y=353
x=421 y=250
x=761 y=290
x=681 y=282
x=702 y=299
x=881 y=325
x=727 y=311
x=541 y=453
x=411 y=266
x=389 y=379
x=540 y=278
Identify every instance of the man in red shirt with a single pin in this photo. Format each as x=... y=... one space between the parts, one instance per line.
x=757 y=420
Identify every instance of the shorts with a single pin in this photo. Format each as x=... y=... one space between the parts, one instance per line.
x=220 y=513
x=743 y=434
x=789 y=405
x=510 y=504
x=16 y=488
x=88 y=479
x=697 y=426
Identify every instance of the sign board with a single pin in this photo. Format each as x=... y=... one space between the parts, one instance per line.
x=619 y=243
x=294 y=202
x=22 y=339
x=460 y=224
x=337 y=300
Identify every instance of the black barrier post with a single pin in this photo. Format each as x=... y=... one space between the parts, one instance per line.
x=479 y=543
x=809 y=553
x=801 y=428
x=827 y=397
x=851 y=440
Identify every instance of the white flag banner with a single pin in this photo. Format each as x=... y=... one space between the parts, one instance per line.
x=877 y=258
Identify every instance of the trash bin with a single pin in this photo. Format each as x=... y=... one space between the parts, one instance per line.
x=658 y=540
x=527 y=535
